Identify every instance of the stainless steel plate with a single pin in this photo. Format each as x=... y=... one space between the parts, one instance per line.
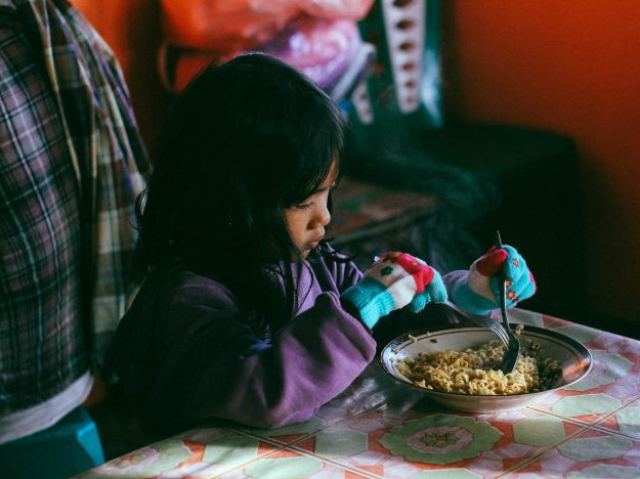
x=573 y=357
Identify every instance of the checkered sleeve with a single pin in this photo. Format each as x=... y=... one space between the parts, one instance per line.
x=41 y=346
x=116 y=159
x=71 y=166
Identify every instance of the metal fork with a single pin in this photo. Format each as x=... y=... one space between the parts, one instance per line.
x=483 y=321
x=512 y=352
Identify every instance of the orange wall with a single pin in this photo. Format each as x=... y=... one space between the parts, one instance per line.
x=572 y=66
x=132 y=30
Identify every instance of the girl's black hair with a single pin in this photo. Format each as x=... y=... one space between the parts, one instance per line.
x=246 y=140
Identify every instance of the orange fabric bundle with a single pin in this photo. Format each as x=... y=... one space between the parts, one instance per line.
x=201 y=31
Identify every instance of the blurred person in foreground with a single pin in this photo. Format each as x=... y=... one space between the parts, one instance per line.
x=72 y=164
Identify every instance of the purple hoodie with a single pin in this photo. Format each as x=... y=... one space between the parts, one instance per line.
x=183 y=353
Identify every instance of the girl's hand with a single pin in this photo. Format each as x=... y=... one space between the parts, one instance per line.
x=393 y=282
x=477 y=291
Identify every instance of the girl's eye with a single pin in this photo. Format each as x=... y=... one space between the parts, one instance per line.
x=302 y=206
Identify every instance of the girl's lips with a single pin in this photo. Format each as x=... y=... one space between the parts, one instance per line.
x=314 y=243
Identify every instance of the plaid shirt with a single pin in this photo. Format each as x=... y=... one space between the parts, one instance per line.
x=70 y=169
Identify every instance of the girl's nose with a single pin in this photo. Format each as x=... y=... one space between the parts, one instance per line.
x=323 y=217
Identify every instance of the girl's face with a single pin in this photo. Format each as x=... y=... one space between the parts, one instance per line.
x=306 y=221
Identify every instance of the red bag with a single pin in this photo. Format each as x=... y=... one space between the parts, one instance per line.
x=319 y=37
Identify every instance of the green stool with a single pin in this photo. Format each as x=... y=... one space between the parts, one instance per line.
x=69 y=447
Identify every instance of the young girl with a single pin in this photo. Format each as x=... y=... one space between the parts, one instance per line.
x=246 y=314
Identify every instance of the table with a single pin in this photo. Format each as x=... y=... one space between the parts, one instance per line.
x=364 y=210
x=381 y=428
x=369 y=219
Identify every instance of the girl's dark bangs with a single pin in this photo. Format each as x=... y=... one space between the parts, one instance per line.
x=325 y=146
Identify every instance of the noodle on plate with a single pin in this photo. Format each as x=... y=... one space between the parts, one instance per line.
x=476 y=370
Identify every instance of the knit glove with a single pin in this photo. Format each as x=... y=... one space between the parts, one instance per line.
x=393 y=282
x=477 y=290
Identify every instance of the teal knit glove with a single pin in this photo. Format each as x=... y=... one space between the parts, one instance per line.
x=477 y=289
x=393 y=282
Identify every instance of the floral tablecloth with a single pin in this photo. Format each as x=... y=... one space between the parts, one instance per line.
x=381 y=428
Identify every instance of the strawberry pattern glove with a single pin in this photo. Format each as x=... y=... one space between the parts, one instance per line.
x=393 y=282
x=478 y=289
